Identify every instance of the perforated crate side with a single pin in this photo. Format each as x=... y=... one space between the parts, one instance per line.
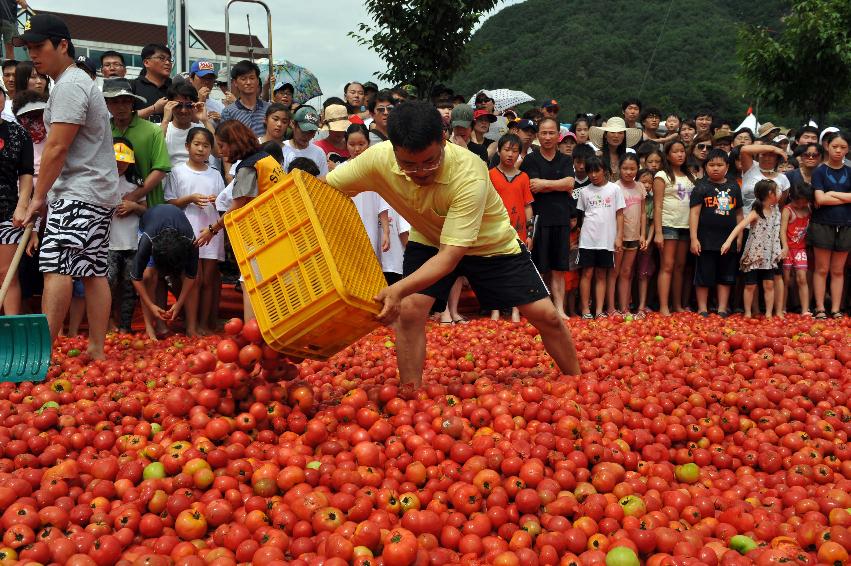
x=348 y=241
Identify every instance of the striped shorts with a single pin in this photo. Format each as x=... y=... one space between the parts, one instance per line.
x=76 y=239
x=9 y=235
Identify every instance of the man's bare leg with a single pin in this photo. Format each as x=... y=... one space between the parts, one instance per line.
x=555 y=335
x=557 y=289
x=411 y=338
x=55 y=300
x=98 y=304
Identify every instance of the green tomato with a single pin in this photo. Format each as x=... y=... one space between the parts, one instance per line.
x=632 y=505
x=314 y=465
x=73 y=353
x=687 y=473
x=742 y=544
x=153 y=471
x=621 y=556
x=659 y=338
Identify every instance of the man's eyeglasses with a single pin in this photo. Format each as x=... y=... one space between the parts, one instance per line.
x=112 y=65
x=383 y=109
x=185 y=105
x=162 y=58
x=704 y=146
x=809 y=155
x=427 y=167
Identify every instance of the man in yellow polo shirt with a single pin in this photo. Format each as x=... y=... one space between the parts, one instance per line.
x=459 y=228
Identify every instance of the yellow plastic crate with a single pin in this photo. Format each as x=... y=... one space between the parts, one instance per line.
x=309 y=268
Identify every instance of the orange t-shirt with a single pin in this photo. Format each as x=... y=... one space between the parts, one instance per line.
x=515 y=196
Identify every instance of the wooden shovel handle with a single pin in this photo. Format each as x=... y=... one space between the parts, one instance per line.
x=13 y=267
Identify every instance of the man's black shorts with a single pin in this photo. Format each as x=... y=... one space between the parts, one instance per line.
x=499 y=282
x=551 y=248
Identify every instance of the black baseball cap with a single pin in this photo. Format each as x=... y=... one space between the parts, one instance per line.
x=41 y=27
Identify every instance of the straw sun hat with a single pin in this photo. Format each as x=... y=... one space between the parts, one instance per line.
x=616 y=124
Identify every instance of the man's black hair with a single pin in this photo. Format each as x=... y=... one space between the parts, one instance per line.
x=414 y=126
x=333 y=100
x=719 y=123
x=9 y=63
x=583 y=152
x=305 y=164
x=152 y=49
x=650 y=111
x=274 y=149
x=401 y=93
x=383 y=95
x=804 y=130
x=703 y=112
x=72 y=52
x=629 y=101
x=459 y=99
x=440 y=90
x=184 y=89
x=716 y=153
x=170 y=250
x=112 y=53
x=534 y=114
x=244 y=67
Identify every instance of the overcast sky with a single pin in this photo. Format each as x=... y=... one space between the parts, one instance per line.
x=310 y=33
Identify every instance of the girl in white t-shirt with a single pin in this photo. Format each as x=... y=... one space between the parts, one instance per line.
x=124 y=238
x=601 y=236
x=194 y=186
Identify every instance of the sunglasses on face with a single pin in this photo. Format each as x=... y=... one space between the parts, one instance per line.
x=704 y=146
x=185 y=105
x=811 y=155
x=383 y=109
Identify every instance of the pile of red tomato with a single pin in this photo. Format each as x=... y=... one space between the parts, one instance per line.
x=686 y=441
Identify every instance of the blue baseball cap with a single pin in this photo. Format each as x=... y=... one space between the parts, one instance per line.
x=202 y=69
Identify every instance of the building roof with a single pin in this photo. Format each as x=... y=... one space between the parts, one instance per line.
x=105 y=30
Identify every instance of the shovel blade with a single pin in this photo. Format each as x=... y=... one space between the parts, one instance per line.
x=24 y=347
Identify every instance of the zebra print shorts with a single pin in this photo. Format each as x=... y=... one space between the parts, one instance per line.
x=9 y=235
x=76 y=239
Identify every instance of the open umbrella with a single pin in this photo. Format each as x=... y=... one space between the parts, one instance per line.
x=305 y=83
x=503 y=98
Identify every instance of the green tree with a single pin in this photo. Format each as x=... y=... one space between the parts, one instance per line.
x=421 y=41
x=806 y=67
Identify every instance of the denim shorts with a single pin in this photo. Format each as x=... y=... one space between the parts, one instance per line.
x=669 y=233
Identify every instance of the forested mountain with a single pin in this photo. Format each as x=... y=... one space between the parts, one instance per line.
x=592 y=55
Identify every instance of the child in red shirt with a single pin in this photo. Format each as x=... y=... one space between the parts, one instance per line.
x=513 y=187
